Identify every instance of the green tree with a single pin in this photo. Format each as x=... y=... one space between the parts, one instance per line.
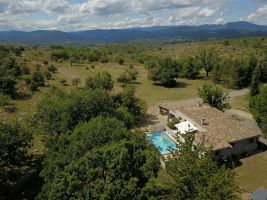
x=4 y=99
x=258 y=107
x=256 y=81
x=52 y=69
x=207 y=59
x=37 y=80
x=120 y=60
x=14 y=158
x=8 y=85
x=9 y=72
x=189 y=68
x=128 y=76
x=164 y=71
x=59 y=114
x=130 y=102
x=214 y=96
x=102 y=80
x=100 y=160
x=196 y=176
x=63 y=81
x=60 y=54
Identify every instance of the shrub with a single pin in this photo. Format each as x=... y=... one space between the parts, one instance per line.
x=214 y=96
x=63 y=81
x=120 y=60
x=52 y=69
x=102 y=80
x=37 y=80
x=76 y=82
x=4 y=99
x=171 y=125
x=104 y=60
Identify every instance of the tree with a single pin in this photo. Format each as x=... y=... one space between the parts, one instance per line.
x=207 y=59
x=60 y=54
x=120 y=60
x=4 y=99
x=128 y=76
x=63 y=81
x=74 y=59
x=48 y=74
x=256 y=81
x=258 y=107
x=76 y=82
x=196 y=176
x=100 y=160
x=214 y=96
x=8 y=85
x=130 y=103
x=14 y=145
x=189 y=68
x=164 y=71
x=102 y=80
x=9 y=72
x=37 y=80
x=52 y=69
x=60 y=113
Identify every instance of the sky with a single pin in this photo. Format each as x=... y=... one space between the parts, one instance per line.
x=74 y=15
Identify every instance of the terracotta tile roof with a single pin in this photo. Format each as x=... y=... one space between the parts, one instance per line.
x=219 y=130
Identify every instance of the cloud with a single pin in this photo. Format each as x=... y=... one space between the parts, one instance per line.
x=108 y=7
x=259 y=16
x=71 y=15
x=220 y=21
x=207 y=12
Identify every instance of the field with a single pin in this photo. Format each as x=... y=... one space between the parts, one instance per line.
x=146 y=90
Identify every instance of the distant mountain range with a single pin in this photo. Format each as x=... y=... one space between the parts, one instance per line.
x=157 y=33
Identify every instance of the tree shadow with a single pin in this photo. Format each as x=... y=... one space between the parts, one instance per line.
x=22 y=96
x=177 y=84
x=149 y=120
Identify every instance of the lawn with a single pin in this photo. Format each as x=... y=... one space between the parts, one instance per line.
x=252 y=174
x=145 y=89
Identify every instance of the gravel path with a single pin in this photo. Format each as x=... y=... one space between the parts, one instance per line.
x=237 y=93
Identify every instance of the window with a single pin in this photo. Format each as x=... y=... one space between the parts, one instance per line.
x=250 y=141
x=217 y=153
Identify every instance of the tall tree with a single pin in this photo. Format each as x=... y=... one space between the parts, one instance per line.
x=258 y=107
x=100 y=160
x=256 y=81
x=102 y=80
x=196 y=176
x=208 y=59
x=14 y=157
x=164 y=71
x=60 y=113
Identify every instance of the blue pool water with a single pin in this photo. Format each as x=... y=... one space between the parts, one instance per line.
x=162 y=145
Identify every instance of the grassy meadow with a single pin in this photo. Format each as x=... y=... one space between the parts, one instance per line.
x=145 y=88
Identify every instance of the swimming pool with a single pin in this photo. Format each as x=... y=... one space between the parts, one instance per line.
x=162 y=144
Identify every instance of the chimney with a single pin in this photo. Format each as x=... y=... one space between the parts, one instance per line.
x=199 y=104
x=203 y=121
